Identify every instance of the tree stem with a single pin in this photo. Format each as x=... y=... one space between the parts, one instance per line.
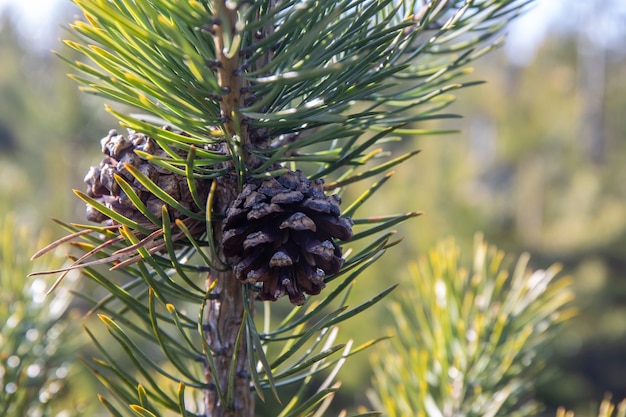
x=229 y=70
x=225 y=314
x=224 y=319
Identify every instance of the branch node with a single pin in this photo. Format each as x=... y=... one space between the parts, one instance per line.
x=213 y=64
x=202 y=359
x=207 y=28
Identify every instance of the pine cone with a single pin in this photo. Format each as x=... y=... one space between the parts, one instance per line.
x=280 y=232
x=120 y=151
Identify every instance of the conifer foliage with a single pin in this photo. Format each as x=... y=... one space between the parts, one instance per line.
x=483 y=327
x=38 y=334
x=251 y=119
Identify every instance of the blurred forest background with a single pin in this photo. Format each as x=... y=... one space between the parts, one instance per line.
x=539 y=165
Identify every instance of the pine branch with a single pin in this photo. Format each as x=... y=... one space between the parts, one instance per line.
x=226 y=40
x=252 y=113
x=223 y=320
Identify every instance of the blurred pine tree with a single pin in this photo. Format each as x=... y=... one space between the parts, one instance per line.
x=469 y=338
x=38 y=335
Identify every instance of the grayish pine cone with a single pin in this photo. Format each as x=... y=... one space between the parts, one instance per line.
x=281 y=232
x=119 y=151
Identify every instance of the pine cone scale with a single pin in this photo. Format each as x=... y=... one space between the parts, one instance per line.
x=289 y=197
x=262 y=210
x=281 y=259
x=299 y=222
x=258 y=238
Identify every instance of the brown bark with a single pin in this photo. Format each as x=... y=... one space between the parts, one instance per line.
x=228 y=69
x=224 y=316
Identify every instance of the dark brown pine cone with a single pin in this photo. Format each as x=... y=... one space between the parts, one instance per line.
x=280 y=232
x=120 y=151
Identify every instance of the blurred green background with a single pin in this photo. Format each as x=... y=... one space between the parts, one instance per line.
x=539 y=165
